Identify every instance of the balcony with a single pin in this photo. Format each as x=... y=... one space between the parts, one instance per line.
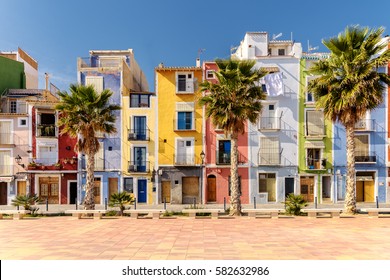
x=269 y=123
x=316 y=163
x=184 y=159
x=223 y=157
x=364 y=125
x=314 y=131
x=269 y=157
x=13 y=107
x=95 y=62
x=365 y=157
x=138 y=166
x=46 y=130
x=138 y=134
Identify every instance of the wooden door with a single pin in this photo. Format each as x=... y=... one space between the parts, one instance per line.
x=96 y=190
x=211 y=189
x=166 y=191
x=112 y=186
x=21 y=188
x=359 y=191
x=3 y=193
x=307 y=188
x=369 y=191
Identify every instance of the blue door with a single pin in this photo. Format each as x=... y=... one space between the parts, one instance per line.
x=141 y=191
x=140 y=127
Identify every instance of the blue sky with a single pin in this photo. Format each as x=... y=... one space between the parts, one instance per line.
x=171 y=31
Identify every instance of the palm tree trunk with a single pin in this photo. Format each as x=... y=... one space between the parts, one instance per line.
x=350 y=196
x=235 y=198
x=89 y=199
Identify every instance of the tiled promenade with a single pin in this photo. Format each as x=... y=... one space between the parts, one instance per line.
x=302 y=238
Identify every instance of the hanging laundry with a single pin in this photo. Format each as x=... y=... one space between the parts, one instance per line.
x=274 y=84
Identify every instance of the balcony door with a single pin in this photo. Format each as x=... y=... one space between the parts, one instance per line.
x=185 y=152
x=140 y=127
x=140 y=159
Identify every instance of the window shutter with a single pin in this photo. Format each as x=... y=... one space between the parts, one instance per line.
x=185 y=106
x=315 y=122
x=96 y=81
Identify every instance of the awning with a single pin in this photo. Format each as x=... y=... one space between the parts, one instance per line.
x=7 y=179
x=314 y=145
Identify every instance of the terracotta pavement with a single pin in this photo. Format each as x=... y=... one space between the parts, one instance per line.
x=299 y=238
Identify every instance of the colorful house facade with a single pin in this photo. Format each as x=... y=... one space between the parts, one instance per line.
x=273 y=141
x=118 y=71
x=179 y=142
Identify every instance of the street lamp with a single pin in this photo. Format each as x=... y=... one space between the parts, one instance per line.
x=18 y=160
x=202 y=155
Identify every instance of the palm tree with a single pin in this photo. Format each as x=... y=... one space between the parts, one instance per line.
x=349 y=84
x=83 y=113
x=230 y=103
x=120 y=200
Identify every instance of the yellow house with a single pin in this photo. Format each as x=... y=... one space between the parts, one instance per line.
x=179 y=142
x=138 y=145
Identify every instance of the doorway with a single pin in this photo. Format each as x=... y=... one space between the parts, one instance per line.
x=72 y=192
x=288 y=186
x=141 y=191
x=365 y=187
x=96 y=189
x=3 y=193
x=21 y=188
x=326 y=189
x=166 y=191
x=112 y=186
x=307 y=188
x=211 y=188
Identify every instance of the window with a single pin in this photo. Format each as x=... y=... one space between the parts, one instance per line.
x=313 y=157
x=269 y=120
x=128 y=185
x=5 y=135
x=185 y=151
x=184 y=83
x=99 y=157
x=315 y=123
x=47 y=125
x=22 y=122
x=139 y=100
x=362 y=149
x=281 y=52
x=5 y=162
x=269 y=151
x=210 y=74
x=239 y=186
x=223 y=153
x=13 y=106
x=47 y=155
x=267 y=184
x=96 y=81
x=185 y=116
x=309 y=95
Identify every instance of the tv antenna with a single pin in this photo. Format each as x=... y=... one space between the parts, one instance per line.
x=310 y=48
x=274 y=37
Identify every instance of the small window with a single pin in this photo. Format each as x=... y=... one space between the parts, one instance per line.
x=281 y=52
x=184 y=120
x=128 y=185
x=22 y=122
x=210 y=74
x=13 y=106
x=184 y=83
x=139 y=100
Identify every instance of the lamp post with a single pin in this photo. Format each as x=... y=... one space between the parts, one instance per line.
x=18 y=160
x=202 y=155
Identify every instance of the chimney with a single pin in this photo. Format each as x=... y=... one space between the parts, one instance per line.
x=198 y=62
x=47 y=81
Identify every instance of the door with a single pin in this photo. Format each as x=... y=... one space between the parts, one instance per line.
x=140 y=127
x=21 y=188
x=365 y=191
x=112 y=186
x=141 y=191
x=140 y=159
x=288 y=186
x=185 y=153
x=269 y=120
x=72 y=192
x=166 y=191
x=190 y=189
x=96 y=190
x=326 y=189
x=47 y=155
x=3 y=193
x=307 y=188
x=211 y=188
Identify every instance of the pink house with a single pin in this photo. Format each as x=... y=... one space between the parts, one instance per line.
x=217 y=159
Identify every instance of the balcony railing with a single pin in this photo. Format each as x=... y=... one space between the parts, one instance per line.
x=46 y=130
x=223 y=157
x=138 y=166
x=269 y=157
x=314 y=130
x=13 y=107
x=138 y=134
x=92 y=62
x=364 y=125
x=365 y=157
x=269 y=123
x=5 y=169
x=184 y=126
x=6 y=139
x=184 y=159
x=315 y=163
x=45 y=161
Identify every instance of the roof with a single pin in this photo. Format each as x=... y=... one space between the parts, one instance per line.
x=175 y=68
x=24 y=92
x=315 y=56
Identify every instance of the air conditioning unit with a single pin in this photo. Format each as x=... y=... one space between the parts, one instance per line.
x=131 y=168
x=131 y=136
x=263 y=198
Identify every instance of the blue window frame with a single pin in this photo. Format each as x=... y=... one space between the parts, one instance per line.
x=184 y=120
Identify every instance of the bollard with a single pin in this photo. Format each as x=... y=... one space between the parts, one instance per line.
x=315 y=202
x=377 y=202
x=135 y=204
x=47 y=204
x=224 y=204
x=165 y=203
x=254 y=202
x=75 y=202
x=105 y=203
x=194 y=203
